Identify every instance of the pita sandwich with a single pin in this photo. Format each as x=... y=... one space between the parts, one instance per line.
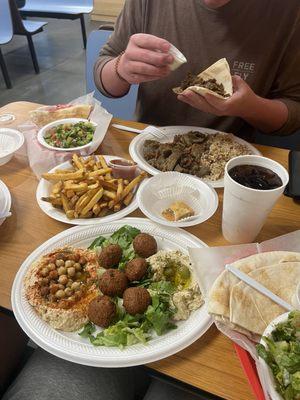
x=46 y=114
x=253 y=311
x=215 y=80
x=219 y=295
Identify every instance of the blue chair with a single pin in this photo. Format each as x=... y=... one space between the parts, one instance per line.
x=122 y=107
x=6 y=34
x=60 y=9
x=26 y=28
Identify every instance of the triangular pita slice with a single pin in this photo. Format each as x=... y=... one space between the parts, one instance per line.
x=220 y=71
x=254 y=311
x=219 y=295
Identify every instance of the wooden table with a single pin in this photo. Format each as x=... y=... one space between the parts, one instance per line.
x=210 y=363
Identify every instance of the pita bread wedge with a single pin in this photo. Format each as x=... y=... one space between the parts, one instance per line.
x=216 y=76
x=46 y=114
x=219 y=295
x=252 y=310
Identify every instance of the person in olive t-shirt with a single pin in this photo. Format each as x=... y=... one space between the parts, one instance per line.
x=259 y=38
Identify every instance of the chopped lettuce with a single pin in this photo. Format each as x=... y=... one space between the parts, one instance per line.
x=138 y=328
x=124 y=238
x=282 y=354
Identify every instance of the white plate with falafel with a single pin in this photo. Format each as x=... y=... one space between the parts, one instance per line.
x=113 y=295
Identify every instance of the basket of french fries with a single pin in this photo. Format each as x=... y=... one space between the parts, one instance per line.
x=84 y=189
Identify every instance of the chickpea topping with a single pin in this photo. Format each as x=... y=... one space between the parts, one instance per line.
x=51 y=266
x=75 y=285
x=63 y=279
x=71 y=271
x=68 y=292
x=45 y=271
x=62 y=271
x=60 y=263
x=77 y=266
x=69 y=263
x=45 y=291
x=62 y=287
x=70 y=282
x=71 y=298
x=60 y=294
x=78 y=275
x=76 y=257
x=82 y=260
x=54 y=288
x=44 y=281
x=53 y=274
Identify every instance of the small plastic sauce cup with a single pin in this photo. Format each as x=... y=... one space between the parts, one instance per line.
x=122 y=168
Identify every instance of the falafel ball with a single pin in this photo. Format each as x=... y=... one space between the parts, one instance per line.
x=136 y=300
x=144 y=245
x=113 y=282
x=110 y=256
x=136 y=269
x=102 y=311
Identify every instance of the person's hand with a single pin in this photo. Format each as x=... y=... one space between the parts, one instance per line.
x=238 y=105
x=145 y=59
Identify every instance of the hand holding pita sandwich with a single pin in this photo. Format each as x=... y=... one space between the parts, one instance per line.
x=239 y=104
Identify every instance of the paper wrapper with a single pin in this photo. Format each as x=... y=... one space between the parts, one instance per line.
x=209 y=262
x=42 y=160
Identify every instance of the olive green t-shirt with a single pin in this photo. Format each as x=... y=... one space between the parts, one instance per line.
x=259 y=38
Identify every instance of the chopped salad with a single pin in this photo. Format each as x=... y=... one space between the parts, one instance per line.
x=70 y=135
x=282 y=354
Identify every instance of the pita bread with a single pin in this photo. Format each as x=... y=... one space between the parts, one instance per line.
x=44 y=115
x=220 y=71
x=219 y=295
x=252 y=310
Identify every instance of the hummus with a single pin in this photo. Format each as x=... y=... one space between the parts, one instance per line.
x=187 y=296
x=66 y=313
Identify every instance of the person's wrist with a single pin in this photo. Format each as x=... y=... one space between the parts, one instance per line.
x=119 y=68
x=251 y=107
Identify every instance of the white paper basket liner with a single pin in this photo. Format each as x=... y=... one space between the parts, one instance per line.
x=159 y=192
x=5 y=200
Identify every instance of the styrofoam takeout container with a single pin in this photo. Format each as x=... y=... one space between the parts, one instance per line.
x=89 y=147
x=159 y=192
x=5 y=201
x=11 y=140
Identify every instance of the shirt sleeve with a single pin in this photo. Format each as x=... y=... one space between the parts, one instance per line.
x=129 y=22
x=286 y=87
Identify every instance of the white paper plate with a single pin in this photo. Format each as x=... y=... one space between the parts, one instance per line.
x=72 y=347
x=137 y=144
x=266 y=371
x=160 y=191
x=44 y=189
x=5 y=200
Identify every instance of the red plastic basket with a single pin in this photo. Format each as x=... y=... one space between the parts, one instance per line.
x=250 y=370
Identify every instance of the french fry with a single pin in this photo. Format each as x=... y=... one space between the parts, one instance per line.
x=117 y=207
x=104 y=165
x=92 y=202
x=94 y=185
x=57 y=187
x=96 y=209
x=133 y=184
x=53 y=201
x=76 y=186
x=109 y=185
x=70 y=193
x=74 y=200
x=63 y=176
x=70 y=214
x=77 y=162
x=128 y=199
x=102 y=171
x=65 y=203
x=103 y=212
x=84 y=200
x=110 y=195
